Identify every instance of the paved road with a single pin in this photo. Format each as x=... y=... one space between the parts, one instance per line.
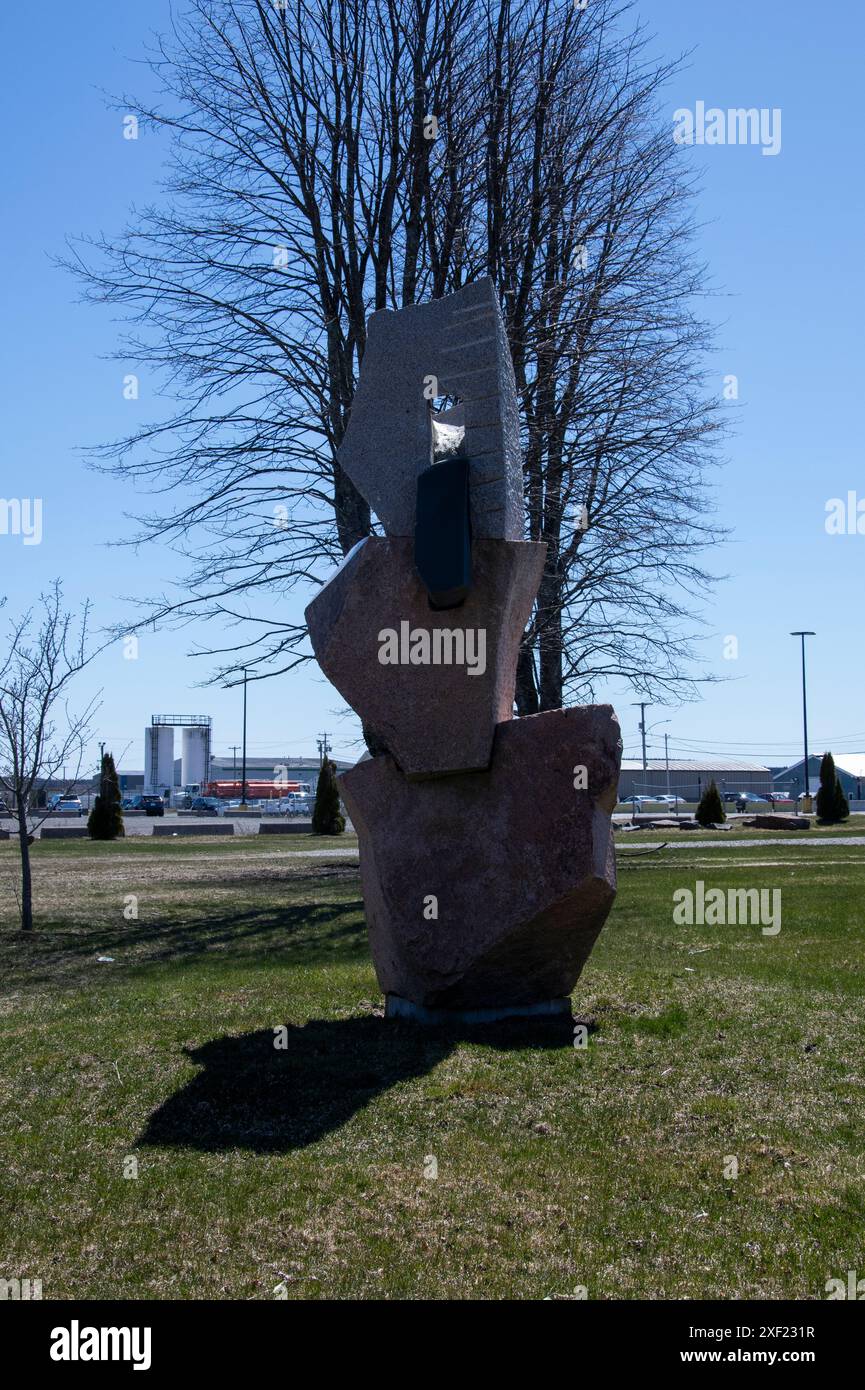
x=331 y=853
x=856 y=840
x=143 y=825
x=725 y=843
x=780 y=840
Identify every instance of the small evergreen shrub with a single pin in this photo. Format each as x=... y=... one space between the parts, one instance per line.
x=327 y=817
x=832 y=804
x=105 y=821
x=710 y=810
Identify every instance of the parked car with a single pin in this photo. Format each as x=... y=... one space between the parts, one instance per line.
x=153 y=805
x=751 y=796
x=667 y=800
x=69 y=804
x=209 y=805
x=636 y=802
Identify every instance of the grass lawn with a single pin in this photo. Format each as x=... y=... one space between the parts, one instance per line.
x=304 y=1168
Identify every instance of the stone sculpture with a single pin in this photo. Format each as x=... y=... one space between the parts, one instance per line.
x=485 y=841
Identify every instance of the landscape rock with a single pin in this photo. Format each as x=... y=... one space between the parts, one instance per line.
x=781 y=822
x=488 y=889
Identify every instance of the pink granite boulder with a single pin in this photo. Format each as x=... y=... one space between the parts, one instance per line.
x=461 y=344
x=488 y=889
x=429 y=686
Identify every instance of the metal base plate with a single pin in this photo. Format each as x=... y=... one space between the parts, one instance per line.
x=397 y=1007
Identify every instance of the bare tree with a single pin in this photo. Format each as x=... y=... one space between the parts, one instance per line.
x=332 y=157
x=590 y=243
x=40 y=737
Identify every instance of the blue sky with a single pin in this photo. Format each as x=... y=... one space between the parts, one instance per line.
x=782 y=236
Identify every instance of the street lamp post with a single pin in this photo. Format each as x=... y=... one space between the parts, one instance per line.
x=657 y=724
x=101 y=777
x=243 y=771
x=806 y=802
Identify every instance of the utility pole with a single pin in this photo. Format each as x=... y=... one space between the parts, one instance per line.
x=642 y=704
x=243 y=774
x=806 y=805
x=667 y=759
x=234 y=747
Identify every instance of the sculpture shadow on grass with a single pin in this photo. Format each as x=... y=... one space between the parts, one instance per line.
x=252 y=1095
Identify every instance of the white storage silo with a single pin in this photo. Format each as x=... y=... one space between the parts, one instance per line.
x=194 y=756
x=158 y=758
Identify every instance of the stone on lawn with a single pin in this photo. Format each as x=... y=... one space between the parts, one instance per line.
x=781 y=822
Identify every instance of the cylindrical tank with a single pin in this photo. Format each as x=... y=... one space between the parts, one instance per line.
x=158 y=758
x=193 y=757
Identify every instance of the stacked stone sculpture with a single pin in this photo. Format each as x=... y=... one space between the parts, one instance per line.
x=486 y=848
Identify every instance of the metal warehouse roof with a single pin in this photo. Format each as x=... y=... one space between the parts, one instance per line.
x=696 y=765
x=854 y=763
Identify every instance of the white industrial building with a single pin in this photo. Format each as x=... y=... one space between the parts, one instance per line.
x=159 y=760
x=197 y=765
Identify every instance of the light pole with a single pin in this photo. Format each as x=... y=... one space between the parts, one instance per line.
x=802 y=634
x=243 y=772
x=667 y=763
x=101 y=777
x=665 y=748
